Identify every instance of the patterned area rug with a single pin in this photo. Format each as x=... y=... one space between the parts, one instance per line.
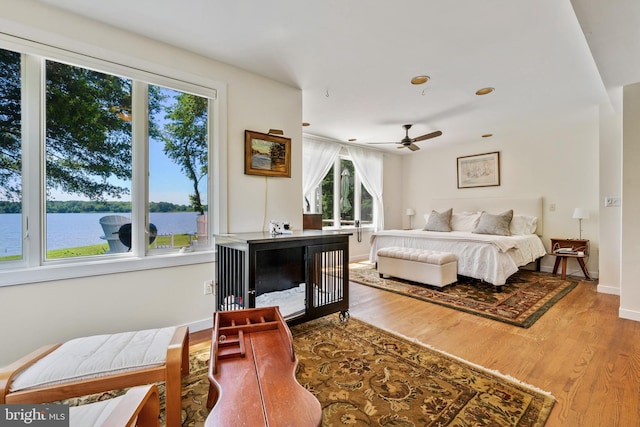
x=525 y=297
x=364 y=376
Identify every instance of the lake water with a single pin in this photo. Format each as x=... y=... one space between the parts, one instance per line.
x=68 y=230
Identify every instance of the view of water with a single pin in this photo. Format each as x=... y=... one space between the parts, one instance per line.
x=68 y=230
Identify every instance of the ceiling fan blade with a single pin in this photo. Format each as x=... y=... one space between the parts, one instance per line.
x=402 y=146
x=382 y=142
x=413 y=147
x=428 y=136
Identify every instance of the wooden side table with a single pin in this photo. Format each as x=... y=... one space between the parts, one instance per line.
x=563 y=249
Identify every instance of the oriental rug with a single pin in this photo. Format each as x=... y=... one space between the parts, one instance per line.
x=365 y=376
x=525 y=297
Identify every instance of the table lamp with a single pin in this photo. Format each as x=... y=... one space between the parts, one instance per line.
x=580 y=214
x=410 y=212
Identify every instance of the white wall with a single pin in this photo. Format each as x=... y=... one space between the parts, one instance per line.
x=630 y=267
x=559 y=165
x=610 y=156
x=49 y=312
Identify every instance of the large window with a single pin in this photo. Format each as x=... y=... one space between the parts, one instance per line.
x=100 y=162
x=10 y=156
x=88 y=146
x=178 y=168
x=341 y=197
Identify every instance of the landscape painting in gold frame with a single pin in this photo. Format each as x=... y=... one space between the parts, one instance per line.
x=479 y=170
x=267 y=155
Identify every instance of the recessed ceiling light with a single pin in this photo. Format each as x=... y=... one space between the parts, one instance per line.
x=418 y=80
x=487 y=135
x=484 y=91
x=306 y=124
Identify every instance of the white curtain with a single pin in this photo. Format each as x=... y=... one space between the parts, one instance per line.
x=368 y=165
x=317 y=159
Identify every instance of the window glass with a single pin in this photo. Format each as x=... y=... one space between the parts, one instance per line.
x=178 y=168
x=326 y=195
x=366 y=206
x=88 y=150
x=343 y=198
x=347 y=201
x=10 y=157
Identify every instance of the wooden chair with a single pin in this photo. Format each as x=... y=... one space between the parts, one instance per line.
x=49 y=386
x=139 y=406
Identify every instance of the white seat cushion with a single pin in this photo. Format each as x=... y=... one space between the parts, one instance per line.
x=92 y=414
x=96 y=356
x=418 y=255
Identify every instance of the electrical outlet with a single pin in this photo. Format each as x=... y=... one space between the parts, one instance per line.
x=208 y=287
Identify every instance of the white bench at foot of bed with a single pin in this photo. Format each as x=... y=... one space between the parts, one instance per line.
x=418 y=265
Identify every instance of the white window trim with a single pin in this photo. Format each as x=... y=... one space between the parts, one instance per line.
x=357 y=210
x=32 y=268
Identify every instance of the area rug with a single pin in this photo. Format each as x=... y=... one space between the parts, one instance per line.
x=525 y=297
x=364 y=376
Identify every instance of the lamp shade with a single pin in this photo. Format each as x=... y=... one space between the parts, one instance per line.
x=410 y=212
x=580 y=213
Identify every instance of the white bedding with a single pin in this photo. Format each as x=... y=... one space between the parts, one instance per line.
x=481 y=256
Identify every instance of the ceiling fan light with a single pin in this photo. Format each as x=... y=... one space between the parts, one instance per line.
x=418 y=80
x=484 y=91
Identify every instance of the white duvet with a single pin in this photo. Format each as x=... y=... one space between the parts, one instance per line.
x=481 y=256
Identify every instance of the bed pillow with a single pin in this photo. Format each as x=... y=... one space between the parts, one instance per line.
x=494 y=224
x=464 y=221
x=523 y=224
x=439 y=221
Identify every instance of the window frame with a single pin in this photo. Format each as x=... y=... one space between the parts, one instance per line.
x=33 y=267
x=357 y=196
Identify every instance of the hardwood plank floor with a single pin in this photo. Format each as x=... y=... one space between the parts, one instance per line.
x=580 y=350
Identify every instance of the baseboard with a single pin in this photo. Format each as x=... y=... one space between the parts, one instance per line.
x=629 y=314
x=200 y=325
x=612 y=290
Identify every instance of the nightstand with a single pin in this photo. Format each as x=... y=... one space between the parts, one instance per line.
x=563 y=249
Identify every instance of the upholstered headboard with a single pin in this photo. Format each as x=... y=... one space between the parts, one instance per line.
x=521 y=206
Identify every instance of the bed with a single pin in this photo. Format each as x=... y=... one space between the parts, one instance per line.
x=490 y=257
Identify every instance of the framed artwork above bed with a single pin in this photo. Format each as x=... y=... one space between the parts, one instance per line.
x=479 y=170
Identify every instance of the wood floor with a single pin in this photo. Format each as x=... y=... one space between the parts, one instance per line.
x=579 y=351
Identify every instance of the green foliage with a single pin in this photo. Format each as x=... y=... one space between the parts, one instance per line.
x=185 y=140
x=89 y=135
x=10 y=126
x=88 y=131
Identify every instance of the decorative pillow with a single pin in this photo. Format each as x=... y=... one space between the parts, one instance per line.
x=523 y=224
x=439 y=221
x=464 y=221
x=494 y=224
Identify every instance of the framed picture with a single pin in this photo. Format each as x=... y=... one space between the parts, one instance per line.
x=480 y=170
x=266 y=155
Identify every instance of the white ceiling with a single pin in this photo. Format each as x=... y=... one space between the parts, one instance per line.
x=353 y=59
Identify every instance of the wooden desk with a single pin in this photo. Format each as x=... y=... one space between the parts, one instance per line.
x=252 y=373
x=577 y=245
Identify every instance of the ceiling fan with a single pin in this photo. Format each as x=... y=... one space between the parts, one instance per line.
x=409 y=142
